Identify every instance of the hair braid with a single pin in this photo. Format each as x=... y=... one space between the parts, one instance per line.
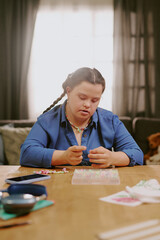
x=55 y=102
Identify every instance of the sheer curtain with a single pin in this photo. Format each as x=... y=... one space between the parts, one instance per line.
x=17 y=20
x=69 y=35
x=136 y=83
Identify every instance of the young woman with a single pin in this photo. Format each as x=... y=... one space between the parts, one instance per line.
x=78 y=132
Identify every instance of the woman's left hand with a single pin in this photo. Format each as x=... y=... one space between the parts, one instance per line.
x=100 y=157
x=103 y=158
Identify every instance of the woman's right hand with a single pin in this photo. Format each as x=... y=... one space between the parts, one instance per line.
x=73 y=155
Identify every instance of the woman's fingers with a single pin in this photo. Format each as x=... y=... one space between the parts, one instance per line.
x=100 y=156
x=99 y=150
x=96 y=156
x=101 y=165
x=77 y=148
x=97 y=160
x=75 y=154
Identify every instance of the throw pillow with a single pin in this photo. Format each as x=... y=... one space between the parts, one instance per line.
x=12 y=139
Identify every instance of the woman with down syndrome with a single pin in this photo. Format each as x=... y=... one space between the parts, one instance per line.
x=78 y=132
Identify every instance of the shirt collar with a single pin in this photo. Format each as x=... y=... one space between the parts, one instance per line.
x=94 y=119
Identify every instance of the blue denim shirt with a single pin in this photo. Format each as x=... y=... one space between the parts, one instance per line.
x=53 y=132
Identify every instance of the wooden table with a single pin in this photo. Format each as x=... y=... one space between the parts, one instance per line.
x=78 y=213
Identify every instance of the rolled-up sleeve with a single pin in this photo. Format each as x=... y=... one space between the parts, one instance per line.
x=34 y=151
x=123 y=141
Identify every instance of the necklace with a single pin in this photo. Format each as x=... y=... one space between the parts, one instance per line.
x=79 y=129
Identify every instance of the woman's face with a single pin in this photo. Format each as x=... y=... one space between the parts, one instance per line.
x=83 y=100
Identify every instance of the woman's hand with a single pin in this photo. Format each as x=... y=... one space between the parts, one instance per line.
x=73 y=155
x=102 y=158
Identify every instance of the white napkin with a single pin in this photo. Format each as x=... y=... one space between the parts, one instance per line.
x=147 y=191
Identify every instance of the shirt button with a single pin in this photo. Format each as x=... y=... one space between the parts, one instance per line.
x=85 y=135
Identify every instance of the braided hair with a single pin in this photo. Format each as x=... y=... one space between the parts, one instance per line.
x=82 y=74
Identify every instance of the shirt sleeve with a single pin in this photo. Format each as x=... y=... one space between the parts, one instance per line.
x=123 y=141
x=34 y=151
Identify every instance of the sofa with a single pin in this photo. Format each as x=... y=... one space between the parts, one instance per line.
x=14 y=132
x=12 y=135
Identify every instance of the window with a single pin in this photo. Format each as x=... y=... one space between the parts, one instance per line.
x=68 y=37
x=141 y=78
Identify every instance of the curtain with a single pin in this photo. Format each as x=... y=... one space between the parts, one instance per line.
x=136 y=60
x=17 y=19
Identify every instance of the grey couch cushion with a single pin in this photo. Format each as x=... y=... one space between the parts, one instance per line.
x=144 y=127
